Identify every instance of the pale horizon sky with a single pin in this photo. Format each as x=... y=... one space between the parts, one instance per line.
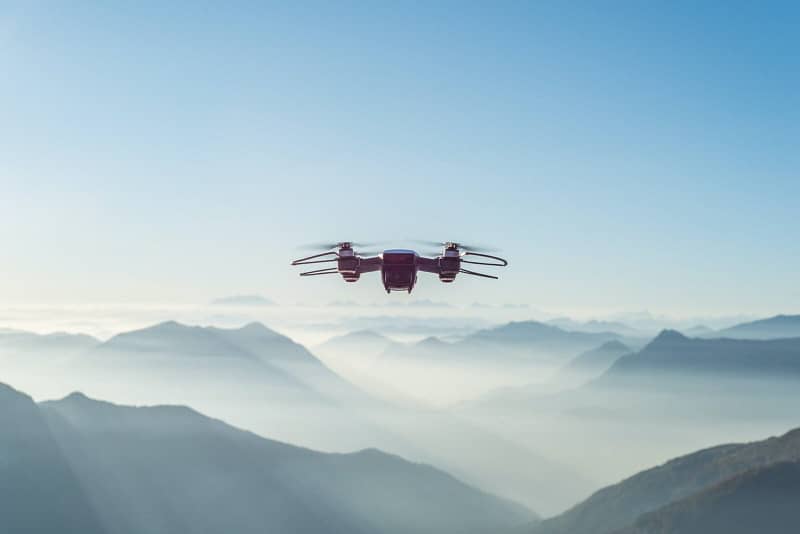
x=623 y=156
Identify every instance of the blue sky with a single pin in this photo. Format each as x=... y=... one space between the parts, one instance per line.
x=623 y=155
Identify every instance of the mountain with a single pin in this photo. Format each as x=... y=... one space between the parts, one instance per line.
x=578 y=371
x=358 y=345
x=271 y=356
x=515 y=343
x=534 y=341
x=277 y=350
x=698 y=331
x=257 y=379
x=251 y=376
x=594 y=326
x=39 y=492
x=170 y=469
x=615 y=507
x=780 y=326
x=431 y=349
x=21 y=343
x=673 y=353
x=592 y=363
x=172 y=339
x=764 y=499
x=243 y=300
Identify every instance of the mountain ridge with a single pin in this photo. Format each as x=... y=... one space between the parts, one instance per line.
x=763 y=499
x=776 y=327
x=617 y=506
x=150 y=468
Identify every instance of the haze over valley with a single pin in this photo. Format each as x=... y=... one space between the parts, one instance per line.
x=478 y=406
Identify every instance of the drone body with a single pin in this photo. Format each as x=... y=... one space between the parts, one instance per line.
x=398 y=267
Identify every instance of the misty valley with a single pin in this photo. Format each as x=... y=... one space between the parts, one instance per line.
x=523 y=427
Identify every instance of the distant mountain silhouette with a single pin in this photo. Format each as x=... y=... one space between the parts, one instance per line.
x=361 y=344
x=671 y=352
x=272 y=356
x=780 y=326
x=592 y=363
x=762 y=500
x=618 y=506
x=21 y=343
x=535 y=341
x=595 y=326
x=578 y=371
x=698 y=331
x=80 y=465
x=515 y=343
x=174 y=339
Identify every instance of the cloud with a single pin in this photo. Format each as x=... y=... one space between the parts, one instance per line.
x=243 y=300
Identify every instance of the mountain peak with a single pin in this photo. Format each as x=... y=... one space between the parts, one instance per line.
x=430 y=341
x=76 y=396
x=613 y=345
x=256 y=327
x=669 y=336
x=165 y=326
x=170 y=328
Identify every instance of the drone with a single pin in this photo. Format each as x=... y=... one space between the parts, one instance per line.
x=399 y=267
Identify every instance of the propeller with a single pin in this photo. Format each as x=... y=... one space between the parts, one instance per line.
x=461 y=246
x=331 y=246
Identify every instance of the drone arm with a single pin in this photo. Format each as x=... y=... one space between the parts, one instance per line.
x=368 y=265
x=473 y=273
x=313 y=259
x=428 y=265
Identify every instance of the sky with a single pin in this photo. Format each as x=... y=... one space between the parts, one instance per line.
x=622 y=155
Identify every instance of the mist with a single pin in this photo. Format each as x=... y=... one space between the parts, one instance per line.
x=477 y=401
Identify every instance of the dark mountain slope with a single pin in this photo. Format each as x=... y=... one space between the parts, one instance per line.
x=38 y=490
x=617 y=506
x=762 y=500
x=170 y=469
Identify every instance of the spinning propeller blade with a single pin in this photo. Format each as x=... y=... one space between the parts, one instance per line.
x=329 y=246
x=461 y=246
